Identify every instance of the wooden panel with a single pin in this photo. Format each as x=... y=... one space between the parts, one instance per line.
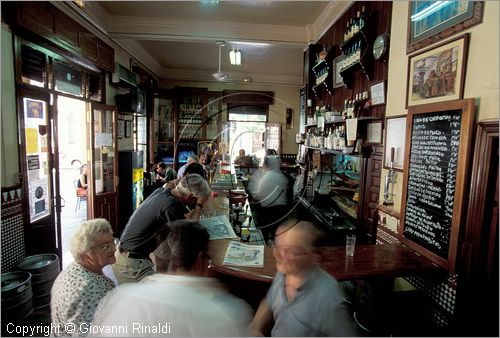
x=106 y=57
x=478 y=264
x=66 y=33
x=37 y=17
x=88 y=46
x=246 y=97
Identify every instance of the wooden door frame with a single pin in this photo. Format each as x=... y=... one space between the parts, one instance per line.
x=91 y=195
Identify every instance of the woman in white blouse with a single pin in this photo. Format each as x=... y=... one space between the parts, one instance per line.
x=79 y=288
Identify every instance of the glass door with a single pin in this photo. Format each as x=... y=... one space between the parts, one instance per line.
x=103 y=163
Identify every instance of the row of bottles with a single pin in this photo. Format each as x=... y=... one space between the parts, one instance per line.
x=355 y=24
x=352 y=55
x=353 y=107
x=321 y=74
x=333 y=138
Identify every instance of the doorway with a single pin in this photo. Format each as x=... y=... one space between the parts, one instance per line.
x=72 y=149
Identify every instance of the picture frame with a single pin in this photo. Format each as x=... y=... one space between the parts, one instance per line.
x=338 y=81
x=120 y=128
x=128 y=129
x=395 y=137
x=453 y=18
x=438 y=73
x=374 y=132
x=377 y=93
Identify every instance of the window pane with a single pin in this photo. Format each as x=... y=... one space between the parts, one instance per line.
x=67 y=79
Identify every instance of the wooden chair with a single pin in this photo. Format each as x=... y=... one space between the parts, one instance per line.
x=81 y=195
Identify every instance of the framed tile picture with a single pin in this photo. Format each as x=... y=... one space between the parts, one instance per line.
x=431 y=21
x=438 y=73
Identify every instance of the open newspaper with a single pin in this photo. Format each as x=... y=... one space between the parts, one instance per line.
x=240 y=254
x=218 y=227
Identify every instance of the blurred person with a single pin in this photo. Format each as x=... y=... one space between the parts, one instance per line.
x=269 y=194
x=77 y=290
x=185 y=301
x=241 y=158
x=148 y=227
x=163 y=174
x=271 y=152
x=299 y=286
x=203 y=162
x=191 y=159
x=211 y=153
x=194 y=202
x=83 y=181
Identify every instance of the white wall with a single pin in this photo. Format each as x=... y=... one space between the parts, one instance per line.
x=481 y=79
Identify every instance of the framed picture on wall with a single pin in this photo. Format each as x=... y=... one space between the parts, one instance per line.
x=431 y=21
x=338 y=81
x=395 y=138
x=128 y=129
x=120 y=128
x=374 y=132
x=377 y=93
x=437 y=74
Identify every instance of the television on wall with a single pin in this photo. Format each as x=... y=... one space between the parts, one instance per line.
x=184 y=155
x=132 y=102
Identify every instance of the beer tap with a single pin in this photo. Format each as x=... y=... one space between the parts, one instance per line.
x=390 y=181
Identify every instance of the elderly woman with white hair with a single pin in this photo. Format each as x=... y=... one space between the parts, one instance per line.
x=148 y=227
x=79 y=288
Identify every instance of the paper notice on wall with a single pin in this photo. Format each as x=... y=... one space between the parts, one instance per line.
x=103 y=139
x=31 y=140
x=39 y=198
x=351 y=126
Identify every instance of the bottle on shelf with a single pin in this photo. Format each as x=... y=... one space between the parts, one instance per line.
x=362 y=18
x=356 y=22
x=344 y=110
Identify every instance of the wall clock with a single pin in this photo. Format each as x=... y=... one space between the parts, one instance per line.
x=381 y=47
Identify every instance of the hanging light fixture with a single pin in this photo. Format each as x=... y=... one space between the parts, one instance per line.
x=220 y=75
x=235 y=57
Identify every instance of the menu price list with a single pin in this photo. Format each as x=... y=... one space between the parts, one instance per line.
x=432 y=172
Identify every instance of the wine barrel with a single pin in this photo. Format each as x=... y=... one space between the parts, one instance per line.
x=17 y=296
x=44 y=269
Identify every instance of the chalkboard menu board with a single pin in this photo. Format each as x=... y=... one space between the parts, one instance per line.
x=437 y=146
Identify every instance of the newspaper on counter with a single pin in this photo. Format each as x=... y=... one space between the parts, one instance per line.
x=218 y=227
x=240 y=254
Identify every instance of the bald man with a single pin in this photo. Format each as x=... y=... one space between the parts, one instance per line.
x=303 y=299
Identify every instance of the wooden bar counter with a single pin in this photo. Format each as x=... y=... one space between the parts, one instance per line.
x=386 y=260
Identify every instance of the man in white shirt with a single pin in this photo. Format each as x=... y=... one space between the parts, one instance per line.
x=182 y=303
x=269 y=190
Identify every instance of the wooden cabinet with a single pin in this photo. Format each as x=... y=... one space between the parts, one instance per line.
x=182 y=118
x=47 y=21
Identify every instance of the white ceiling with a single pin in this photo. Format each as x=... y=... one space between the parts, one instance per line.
x=177 y=39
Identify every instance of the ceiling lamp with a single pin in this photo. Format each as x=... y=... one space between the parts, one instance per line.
x=220 y=75
x=235 y=57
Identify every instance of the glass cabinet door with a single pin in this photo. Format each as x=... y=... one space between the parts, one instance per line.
x=104 y=163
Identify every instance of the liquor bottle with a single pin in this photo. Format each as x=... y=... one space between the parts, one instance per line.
x=344 y=110
x=356 y=22
x=362 y=18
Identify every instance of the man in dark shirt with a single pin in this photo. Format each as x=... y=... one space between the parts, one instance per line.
x=148 y=227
